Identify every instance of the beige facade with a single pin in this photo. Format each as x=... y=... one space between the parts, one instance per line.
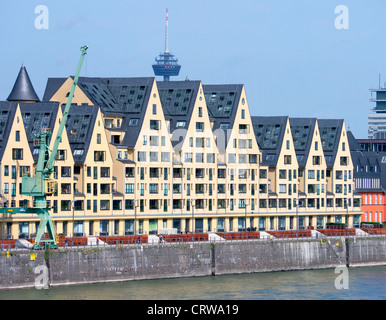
x=147 y=172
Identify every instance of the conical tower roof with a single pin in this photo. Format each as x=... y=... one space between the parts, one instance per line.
x=23 y=89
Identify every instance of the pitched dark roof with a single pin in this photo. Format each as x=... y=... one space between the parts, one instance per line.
x=353 y=143
x=80 y=126
x=330 y=131
x=7 y=114
x=126 y=97
x=302 y=130
x=23 y=89
x=222 y=101
x=178 y=99
x=369 y=171
x=35 y=117
x=269 y=133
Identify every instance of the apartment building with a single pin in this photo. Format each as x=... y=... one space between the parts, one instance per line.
x=369 y=179
x=140 y=156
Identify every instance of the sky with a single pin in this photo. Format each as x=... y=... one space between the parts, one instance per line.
x=293 y=57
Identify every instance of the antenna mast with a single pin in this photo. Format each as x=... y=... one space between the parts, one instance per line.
x=167 y=32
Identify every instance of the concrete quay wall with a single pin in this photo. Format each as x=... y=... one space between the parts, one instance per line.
x=22 y=269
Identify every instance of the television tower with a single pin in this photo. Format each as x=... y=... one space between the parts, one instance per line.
x=166 y=64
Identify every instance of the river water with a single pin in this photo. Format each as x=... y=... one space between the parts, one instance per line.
x=353 y=283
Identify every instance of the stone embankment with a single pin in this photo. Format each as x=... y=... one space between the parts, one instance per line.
x=68 y=266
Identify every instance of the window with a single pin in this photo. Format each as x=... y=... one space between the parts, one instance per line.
x=199 y=157
x=155 y=124
x=61 y=155
x=154 y=109
x=199 y=127
x=176 y=188
x=200 y=112
x=242 y=188
x=287 y=159
x=154 y=172
x=316 y=145
x=165 y=156
x=231 y=158
x=144 y=139
x=221 y=173
x=189 y=157
x=199 y=173
x=17 y=137
x=105 y=188
x=311 y=174
x=153 y=188
x=200 y=142
x=316 y=160
x=154 y=141
x=66 y=171
x=242 y=144
x=141 y=156
x=17 y=154
x=105 y=205
x=242 y=158
x=153 y=156
x=99 y=155
x=221 y=188
x=282 y=188
x=24 y=171
x=99 y=138
x=242 y=114
x=243 y=173
x=133 y=122
x=343 y=161
x=129 y=172
x=180 y=124
x=105 y=172
x=65 y=205
x=200 y=188
x=282 y=174
x=210 y=158
x=65 y=188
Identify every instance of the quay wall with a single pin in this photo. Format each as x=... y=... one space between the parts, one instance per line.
x=22 y=269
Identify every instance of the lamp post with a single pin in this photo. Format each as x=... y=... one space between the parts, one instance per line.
x=3 y=224
x=135 y=220
x=73 y=221
x=245 y=227
x=192 y=204
x=346 y=204
x=297 y=210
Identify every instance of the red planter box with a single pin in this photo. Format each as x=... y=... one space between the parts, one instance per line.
x=8 y=244
x=239 y=235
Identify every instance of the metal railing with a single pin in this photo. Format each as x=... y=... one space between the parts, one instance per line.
x=186 y=239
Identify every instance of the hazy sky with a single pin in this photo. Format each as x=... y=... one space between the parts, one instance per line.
x=289 y=54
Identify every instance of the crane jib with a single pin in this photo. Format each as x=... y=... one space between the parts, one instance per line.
x=43 y=184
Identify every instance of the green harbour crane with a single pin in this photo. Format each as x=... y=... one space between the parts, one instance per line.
x=44 y=183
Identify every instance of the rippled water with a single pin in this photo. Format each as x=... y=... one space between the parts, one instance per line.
x=364 y=283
